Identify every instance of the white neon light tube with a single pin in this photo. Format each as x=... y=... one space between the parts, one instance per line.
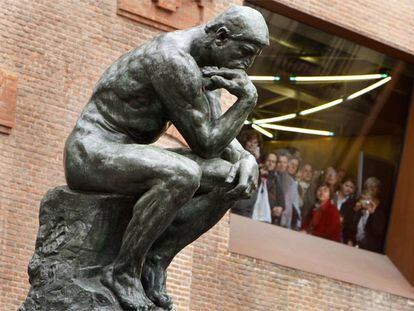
x=338 y=78
x=321 y=107
x=263 y=131
x=265 y=78
x=349 y=97
x=297 y=129
x=275 y=119
x=368 y=88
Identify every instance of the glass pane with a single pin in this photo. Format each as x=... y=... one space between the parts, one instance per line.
x=327 y=130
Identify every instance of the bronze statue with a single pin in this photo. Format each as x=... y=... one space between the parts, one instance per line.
x=174 y=78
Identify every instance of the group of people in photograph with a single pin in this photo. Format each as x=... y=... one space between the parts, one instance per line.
x=323 y=203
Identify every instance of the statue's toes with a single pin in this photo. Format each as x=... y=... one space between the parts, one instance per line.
x=144 y=304
x=161 y=300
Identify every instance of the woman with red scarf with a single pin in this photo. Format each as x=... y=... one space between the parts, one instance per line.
x=324 y=219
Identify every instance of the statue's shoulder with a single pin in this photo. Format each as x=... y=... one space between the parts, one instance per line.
x=167 y=63
x=177 y=58
x=165 y=51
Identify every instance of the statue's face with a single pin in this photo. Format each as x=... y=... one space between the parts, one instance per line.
x=236 y=54
x=231 y=50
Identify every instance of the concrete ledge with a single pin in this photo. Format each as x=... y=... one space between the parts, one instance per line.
x=315 y=255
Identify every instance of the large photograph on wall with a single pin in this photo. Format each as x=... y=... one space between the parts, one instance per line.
x=327 y=133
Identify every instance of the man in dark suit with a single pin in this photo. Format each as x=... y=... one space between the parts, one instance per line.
x=274 y=188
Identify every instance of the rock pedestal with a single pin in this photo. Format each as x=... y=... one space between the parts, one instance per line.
x=79 y=234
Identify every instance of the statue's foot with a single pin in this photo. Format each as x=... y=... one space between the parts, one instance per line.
x=154 y=281
x=128 y=290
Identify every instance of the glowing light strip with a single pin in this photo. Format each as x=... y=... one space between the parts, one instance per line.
x=322 y=78
x=349 y=97
x=265 y=78
x=321 y=107
x=297 y=129
x=312 y=110
x=263 y=131
x=275 y=119
x=338 y=78
x=368 y=88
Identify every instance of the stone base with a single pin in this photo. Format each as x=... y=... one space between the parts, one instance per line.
x=71 y=294
x=79 y=234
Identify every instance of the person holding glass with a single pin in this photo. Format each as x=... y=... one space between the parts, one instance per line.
x=369 y=222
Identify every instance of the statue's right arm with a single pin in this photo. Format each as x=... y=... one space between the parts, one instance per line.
x=178 y=82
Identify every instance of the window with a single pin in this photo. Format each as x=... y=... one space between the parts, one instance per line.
x=331 y=118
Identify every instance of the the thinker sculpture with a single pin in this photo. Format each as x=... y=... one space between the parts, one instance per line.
x=174 y=78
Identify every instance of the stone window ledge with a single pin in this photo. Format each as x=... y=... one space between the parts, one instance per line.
x=315 y=255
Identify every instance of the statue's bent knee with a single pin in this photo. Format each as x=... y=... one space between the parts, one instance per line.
x=189 y=178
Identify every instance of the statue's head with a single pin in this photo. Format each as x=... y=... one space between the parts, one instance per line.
x=236 y=37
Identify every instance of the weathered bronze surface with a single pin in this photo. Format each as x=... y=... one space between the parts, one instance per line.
x=131 y=207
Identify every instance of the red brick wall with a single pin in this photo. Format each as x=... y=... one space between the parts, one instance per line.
x=58 y=49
